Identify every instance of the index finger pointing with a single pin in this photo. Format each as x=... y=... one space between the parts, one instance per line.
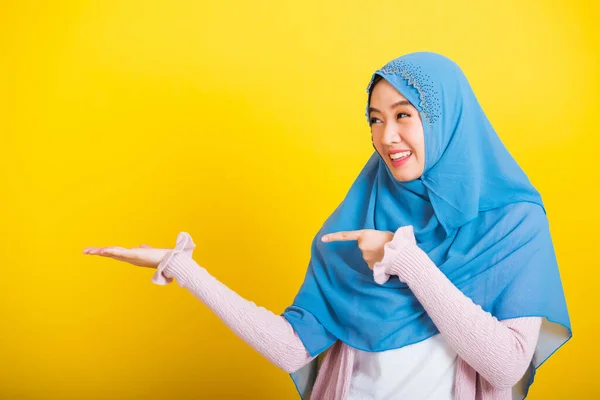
x=342 y=236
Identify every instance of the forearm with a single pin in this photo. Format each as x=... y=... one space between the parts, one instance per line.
x=499 y=351
x=268 y=333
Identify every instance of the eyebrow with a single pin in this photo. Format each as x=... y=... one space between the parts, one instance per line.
x=396 y=104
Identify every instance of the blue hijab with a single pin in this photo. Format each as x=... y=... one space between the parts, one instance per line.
x=474 y=212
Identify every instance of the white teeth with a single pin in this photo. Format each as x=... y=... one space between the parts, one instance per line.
x=400 y=155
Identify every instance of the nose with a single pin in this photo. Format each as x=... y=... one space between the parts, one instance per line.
x=391 y=135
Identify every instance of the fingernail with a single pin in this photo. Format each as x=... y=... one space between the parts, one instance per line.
x=324 y=238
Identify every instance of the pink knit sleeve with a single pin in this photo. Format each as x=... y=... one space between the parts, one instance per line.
x=268 y=333
x=500 y=351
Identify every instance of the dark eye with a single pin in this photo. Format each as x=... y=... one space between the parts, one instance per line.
x=374 y=120
x=403 y=115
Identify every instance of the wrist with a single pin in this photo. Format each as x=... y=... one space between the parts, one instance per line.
x=171 y=261
x=403 y=237
x=409 y=263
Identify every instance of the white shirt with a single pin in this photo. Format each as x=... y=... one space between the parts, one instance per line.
x=424 y=370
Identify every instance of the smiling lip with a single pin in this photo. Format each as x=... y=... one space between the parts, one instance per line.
x=397 y=151
x=401 y=161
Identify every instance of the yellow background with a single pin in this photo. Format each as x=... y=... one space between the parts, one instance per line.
x=242 y=122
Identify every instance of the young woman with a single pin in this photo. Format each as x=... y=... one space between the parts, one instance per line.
x=435 y=278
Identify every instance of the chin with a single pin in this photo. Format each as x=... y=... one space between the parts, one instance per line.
x=403 y=178
x=410 y=171
x=406 y=176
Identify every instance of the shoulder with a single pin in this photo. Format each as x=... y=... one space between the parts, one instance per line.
x=524 y=219
x=522 y=211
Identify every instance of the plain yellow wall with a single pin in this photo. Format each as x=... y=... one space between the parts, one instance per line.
x=242 y=122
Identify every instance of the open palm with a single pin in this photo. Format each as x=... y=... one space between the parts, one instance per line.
x=143 y=256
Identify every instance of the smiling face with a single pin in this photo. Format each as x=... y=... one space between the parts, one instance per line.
x=397 y=132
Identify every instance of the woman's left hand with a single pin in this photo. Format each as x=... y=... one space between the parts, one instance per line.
x=143 y=256
x=371 y=242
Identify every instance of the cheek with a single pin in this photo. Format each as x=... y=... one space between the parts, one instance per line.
x=416 y=139
x=378 y=145
x=376 y=135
